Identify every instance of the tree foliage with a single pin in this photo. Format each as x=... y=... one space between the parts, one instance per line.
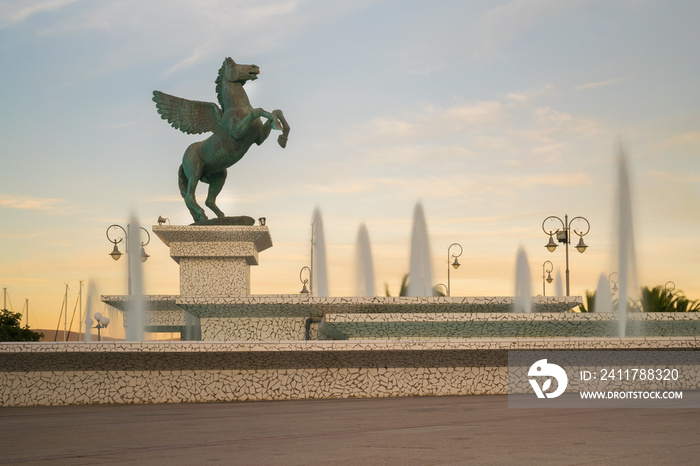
x=403 y=291
x=657 y=299
x=11 y=329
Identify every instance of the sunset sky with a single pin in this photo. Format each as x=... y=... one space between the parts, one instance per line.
x=493 y=114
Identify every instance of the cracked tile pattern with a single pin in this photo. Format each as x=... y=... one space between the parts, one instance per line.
x=253 y=328
x=173 y=234
x=460 y=325
x=277 y=317
x=214 y=276
x=214 y=260
x=170 y=372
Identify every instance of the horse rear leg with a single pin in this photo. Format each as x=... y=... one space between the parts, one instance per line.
x=216 y=184
x=190 y=174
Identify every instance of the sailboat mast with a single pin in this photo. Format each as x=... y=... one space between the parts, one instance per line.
x=65 y=316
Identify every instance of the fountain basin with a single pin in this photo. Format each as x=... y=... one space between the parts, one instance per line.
x=284 y=317
x=42 y=374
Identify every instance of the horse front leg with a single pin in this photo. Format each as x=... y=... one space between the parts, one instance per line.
x=278 y=122
x=241 y=127
x=282 y=139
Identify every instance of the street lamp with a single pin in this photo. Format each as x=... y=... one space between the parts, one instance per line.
x=670 y=286
x=548 y=271
x=442 y=285
x=454 y=264
x=563 y=235
x=613 y=280
x=102 y=322
x=116 y=254
x=304 y=290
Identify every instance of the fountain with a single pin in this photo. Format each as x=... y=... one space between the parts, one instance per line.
x=603 y=297
x=135 y=327
x=89 y=309
x=364 y=266
x=420 y=270
x=523 y=283
x=558 y=284
x=319 y=279
x=265 y=347
x=626 y=257
x=252 y=347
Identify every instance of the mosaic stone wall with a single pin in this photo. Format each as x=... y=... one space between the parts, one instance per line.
x=215 y=260
x=282 y=317
x=169 y=372
x=459 y=325
x=214 y=276
x=254 y=328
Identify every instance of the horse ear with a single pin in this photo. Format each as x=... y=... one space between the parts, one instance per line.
x=230 y=61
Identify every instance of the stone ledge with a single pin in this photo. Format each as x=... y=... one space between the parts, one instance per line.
x=470 y=344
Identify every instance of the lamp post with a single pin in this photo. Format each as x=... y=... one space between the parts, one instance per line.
x=549 y=278
x=102 y=322
x=613 y=280
x=564 y=236
x=116 y=254
x=670 y=286
x=304 y=289
x=455 y=264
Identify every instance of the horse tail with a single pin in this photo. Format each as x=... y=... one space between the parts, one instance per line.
x=182 y=181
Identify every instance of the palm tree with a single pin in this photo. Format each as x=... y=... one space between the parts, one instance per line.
x=404 y=288
x=657 y=299
x=683 y=304
x=590 y=299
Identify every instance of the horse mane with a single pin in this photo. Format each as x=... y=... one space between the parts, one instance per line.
x=219 y=84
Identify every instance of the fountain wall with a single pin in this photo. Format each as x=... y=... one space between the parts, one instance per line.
x=42 y=374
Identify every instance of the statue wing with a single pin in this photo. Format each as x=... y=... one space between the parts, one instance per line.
x=189 y=116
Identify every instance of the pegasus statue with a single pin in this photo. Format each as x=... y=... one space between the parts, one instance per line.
x=236 y=125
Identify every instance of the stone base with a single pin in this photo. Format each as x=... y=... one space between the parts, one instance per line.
x=214 y=260
x=241 y=220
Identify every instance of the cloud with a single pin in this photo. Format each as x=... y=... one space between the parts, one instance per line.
x=501 y=25
x=595 y=85
x=186 y=33
x=31 y=203
x=673 y=178
x=684 y=139
x=502 y=129
x=528 y=96
x=17 y=11
x=23 y=235
x=431 y=122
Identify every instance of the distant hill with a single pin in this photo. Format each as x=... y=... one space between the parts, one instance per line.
x=49 y=336
x=73 y=336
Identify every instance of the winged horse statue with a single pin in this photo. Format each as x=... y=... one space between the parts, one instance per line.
x=236 y=125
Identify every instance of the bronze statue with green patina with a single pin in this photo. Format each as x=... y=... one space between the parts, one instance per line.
x=235 y=127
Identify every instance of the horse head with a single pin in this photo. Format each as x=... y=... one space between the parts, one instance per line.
x=237 y=73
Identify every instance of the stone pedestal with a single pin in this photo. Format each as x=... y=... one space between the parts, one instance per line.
x=214 y=260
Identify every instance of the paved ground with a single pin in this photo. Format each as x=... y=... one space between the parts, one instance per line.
x=444 y=430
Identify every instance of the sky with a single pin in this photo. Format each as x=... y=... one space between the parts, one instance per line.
x=492 y=114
